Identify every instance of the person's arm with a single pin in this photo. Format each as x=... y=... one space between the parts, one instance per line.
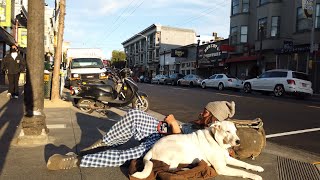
x=4 y=64
x=22 y=64
x=173 y=123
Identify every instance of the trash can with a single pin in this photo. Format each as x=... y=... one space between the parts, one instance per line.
x=47 y=84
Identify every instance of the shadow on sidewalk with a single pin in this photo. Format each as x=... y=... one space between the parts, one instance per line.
x=91 y=129
x=11 y=114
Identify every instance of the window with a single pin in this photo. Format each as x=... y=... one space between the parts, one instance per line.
x=245 y=6
x=244 y=34
x=219 y=77
x=262 y=28
x=302 y=22
x=261 y=2
x=265 y=75
x=275 y=26
x=235 y=7
x=212 y=77
x=317 y=21
x=278 y=74
x=299 y=75
x=233 y=36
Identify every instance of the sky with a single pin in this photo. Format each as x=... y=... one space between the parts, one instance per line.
x=106 y=24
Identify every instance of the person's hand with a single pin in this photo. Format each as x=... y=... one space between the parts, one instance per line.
x=170 y=119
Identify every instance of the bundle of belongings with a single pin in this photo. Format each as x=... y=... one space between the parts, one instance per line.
x=253 y=141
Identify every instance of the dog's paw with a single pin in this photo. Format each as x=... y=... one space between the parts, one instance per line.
x=258 y=168
x=255 y=177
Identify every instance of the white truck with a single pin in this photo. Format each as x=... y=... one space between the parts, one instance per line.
x=84 y=65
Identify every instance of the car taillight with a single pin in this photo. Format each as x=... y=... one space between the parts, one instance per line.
x=292 y=82
x=71 y=87
x=230 y=80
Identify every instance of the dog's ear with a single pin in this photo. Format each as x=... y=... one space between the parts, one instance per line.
x=216 y=125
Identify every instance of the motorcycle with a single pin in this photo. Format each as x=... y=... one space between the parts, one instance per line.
x=119 y=90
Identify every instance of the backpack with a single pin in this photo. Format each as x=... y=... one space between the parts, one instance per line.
x=252 y=138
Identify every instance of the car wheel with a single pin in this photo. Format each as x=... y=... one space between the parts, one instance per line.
x=278 y=90
x=179 y=84
x=203 y=85
x=247 y=88
x=191 y=84
x=173 y=83
x=220 y=86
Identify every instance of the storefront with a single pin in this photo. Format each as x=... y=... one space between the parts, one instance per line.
x=211 y=59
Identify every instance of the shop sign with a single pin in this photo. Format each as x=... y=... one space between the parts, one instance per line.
x=179 y=53
x=5 y=13
x=22 y=37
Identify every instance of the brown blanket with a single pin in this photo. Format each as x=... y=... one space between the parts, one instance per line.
x=161 y=171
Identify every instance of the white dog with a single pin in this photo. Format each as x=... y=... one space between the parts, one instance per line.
x=208 y=144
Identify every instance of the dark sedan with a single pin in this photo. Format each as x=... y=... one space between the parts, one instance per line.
x=173 y=78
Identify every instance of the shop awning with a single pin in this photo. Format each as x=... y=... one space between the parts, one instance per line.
x=6 y=37
x=241 y=59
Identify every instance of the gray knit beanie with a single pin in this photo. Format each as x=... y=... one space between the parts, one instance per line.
x=221 y=109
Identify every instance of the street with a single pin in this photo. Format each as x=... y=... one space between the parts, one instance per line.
x=280 y=115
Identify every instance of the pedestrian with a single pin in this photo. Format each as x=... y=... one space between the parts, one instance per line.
x=13 y=64
x=144 y=128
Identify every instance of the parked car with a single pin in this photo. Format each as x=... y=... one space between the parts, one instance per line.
x=144 y=79
x=280 y=81
x=173 y=78
x=156 y=79
x=190 y=80
x=162 y=79
x=222 y=81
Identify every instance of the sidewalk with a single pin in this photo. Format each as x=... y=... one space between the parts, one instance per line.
x=71 y=130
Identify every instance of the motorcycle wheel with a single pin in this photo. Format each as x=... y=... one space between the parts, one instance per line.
x=144 y=106
x=86 y=102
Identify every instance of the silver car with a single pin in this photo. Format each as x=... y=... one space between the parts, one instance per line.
x=190 y=80
x=222 y=81
x=157 y=79
x=280 y=81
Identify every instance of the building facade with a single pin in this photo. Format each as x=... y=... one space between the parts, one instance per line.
x=270 y=34
x=144 y=48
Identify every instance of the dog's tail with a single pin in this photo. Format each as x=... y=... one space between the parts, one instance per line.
x=148 y=165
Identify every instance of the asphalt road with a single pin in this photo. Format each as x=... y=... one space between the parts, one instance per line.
x=280 y=115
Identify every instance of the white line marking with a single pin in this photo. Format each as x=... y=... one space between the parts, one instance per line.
x=292 y=132
x=314 y=107
x=56 y=126
x=229 y=95
x=180 y=89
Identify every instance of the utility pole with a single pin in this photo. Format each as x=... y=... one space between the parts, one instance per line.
x=34 y=129
x=197 y=56
x=55 y=95
x=259 y=62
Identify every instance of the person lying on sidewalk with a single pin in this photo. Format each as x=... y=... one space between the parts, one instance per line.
x=144 y=128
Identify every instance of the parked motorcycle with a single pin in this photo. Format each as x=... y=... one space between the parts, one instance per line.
x=118 y=91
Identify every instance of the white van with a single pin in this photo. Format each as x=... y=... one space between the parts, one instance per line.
x=85 y=70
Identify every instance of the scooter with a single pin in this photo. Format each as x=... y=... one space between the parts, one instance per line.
x=119 y=90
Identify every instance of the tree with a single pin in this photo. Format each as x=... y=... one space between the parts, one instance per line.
x=118 y=56
x=34 y=129
x=57 y=61
x=118 y=59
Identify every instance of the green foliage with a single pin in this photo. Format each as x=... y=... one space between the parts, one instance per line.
x=118 y=56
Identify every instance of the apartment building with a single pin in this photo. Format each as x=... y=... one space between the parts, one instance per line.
x=270 y=34
x=144 y=48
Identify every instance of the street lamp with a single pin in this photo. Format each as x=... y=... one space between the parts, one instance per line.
x=197 y=57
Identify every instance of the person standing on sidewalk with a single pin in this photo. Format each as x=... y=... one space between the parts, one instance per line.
x=13 y=64
x=144 y=128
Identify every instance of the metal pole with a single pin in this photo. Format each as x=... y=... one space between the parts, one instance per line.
x=164 y=61
x=312 y=53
